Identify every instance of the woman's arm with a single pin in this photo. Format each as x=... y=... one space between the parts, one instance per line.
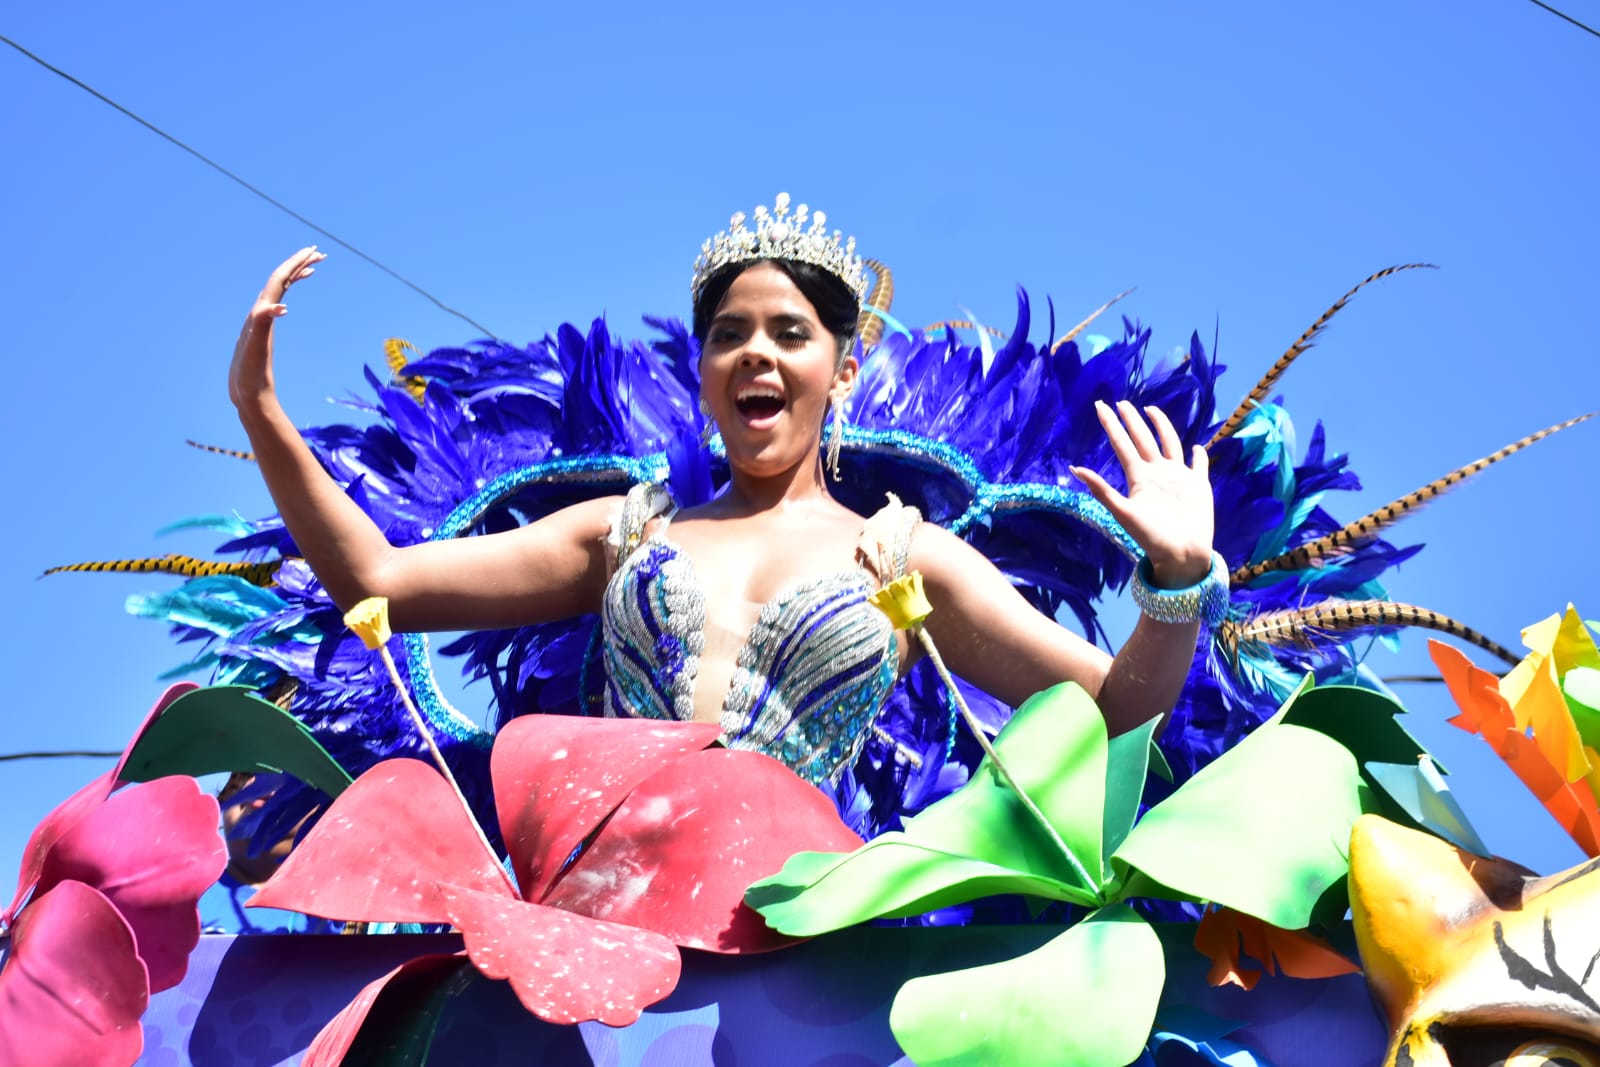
x=551 y=569
x=992 y=637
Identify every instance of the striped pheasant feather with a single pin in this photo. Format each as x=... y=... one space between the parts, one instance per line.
x=1095 y=314
x=394 y=353
x=962 y=324
x=1373 y=523
x=1305 y=627
x=870 y=327
x=1305 y=341
x=187 y=566
x=220 y=451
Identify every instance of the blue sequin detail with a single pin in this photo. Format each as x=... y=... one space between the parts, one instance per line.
x=987 y=498
x=616 y=473
x=809 y=680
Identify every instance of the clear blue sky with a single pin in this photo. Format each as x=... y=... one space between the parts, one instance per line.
x=1242 y=164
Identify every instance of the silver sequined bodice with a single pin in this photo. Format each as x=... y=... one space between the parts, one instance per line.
x=808 y=681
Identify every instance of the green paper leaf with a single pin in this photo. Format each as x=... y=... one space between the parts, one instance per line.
x=1581 y=688
x=1055 y=748
x=1362 y=720
x=1332 y=908
x=1127 y=764
x=890 y=876
x=400 y=1030
x=229 y=728
x=1083 y=999
x=1264 y=829
x=1136 y=884
x=1300 y=690
x=978 y=841
x=1158 y=763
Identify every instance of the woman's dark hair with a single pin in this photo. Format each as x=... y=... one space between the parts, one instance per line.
x=835 y=302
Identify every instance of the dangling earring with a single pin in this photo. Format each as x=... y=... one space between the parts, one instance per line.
x=708 y=425
x=836 y=438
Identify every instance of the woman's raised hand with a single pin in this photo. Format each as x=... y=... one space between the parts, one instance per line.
x=1168 y=507
x=250 y=376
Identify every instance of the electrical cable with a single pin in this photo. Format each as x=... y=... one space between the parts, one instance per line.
x=274 y=202
x=57 y=755
x=1569 y=18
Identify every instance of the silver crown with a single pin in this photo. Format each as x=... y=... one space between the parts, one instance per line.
x=780 y=235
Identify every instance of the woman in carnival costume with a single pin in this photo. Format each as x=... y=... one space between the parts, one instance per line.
x=754 y=612
x=607 y=578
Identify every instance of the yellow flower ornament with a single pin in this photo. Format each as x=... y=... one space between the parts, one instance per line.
x=903 y=601
x=369 y=620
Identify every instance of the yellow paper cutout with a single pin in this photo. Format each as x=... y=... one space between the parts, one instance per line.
x=1574 y=645
x=1536 y=700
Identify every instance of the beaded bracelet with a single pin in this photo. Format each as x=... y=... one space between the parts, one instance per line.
x=1205 y=602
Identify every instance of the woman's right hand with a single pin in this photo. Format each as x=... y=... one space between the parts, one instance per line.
x=250 y=376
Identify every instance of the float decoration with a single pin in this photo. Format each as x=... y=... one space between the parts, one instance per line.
x=105 y=913
x=1227 y=937
x=654 y=850
x=230 y=728
x=1475 y=960
x=1542 y=719
x=1279 y=860
x=982 y=439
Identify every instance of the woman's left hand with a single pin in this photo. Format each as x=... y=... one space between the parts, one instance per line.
x=1168 y=507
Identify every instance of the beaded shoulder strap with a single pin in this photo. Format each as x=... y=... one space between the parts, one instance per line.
x=644 y=502
x=885 y=541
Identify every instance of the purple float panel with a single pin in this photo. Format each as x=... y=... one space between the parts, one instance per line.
x=258 y=1002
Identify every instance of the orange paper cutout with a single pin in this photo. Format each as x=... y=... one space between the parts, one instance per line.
x=1486 y=712
x=1224 y=936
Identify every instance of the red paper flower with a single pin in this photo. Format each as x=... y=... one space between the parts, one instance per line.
x=105 y=914
x=671 y=834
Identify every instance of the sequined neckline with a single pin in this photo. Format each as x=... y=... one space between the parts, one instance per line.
x=748 y=647
x=813 y=670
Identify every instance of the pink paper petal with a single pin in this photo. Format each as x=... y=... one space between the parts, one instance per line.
x=556 y=777
x=63 y=817
x=73 y=988
x=69 y=812
x=405 y=986
x=382 y=850
x=565 y=968
x=679 y=853
x=152 y=849
x=173 y=692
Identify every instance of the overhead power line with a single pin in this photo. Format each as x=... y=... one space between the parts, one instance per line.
x=57 y=755
x=1569 y=18
x=286 y=209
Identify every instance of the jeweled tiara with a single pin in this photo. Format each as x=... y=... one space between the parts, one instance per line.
x=780 y=235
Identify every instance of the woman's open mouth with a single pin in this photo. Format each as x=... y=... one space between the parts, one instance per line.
x=758 y=405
